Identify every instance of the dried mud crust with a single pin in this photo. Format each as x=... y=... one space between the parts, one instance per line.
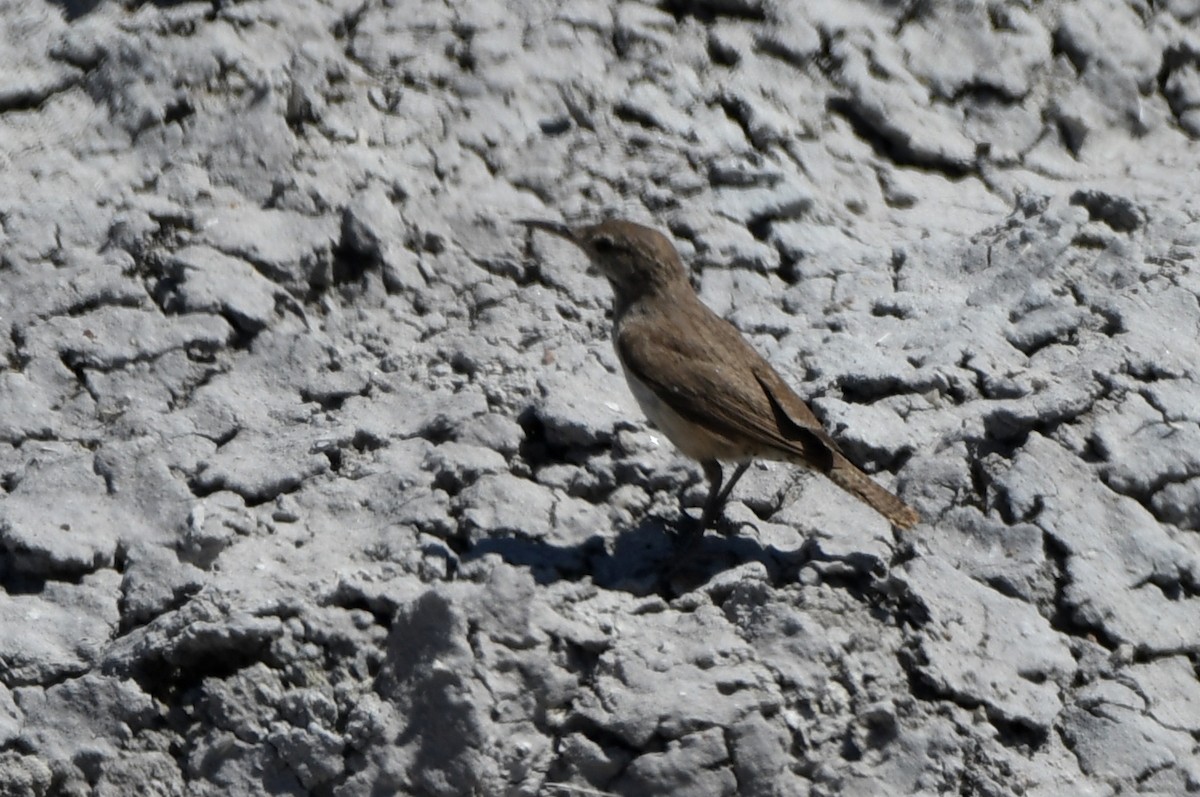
x=318 y=476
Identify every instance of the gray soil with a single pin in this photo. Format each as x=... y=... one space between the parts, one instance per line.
x=318 y=475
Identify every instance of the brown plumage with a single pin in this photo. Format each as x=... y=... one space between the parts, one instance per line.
x=698 y=379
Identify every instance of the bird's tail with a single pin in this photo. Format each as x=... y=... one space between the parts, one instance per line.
x=845 y=475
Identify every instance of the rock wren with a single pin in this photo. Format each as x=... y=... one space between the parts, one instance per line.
x=698 y=380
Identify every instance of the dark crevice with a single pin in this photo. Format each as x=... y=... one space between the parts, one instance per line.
x=27 y=572
x=198 y=351
x=245 y=329
x=1062 y=44
x=861 y=389
x=164 y=292
x=1087 y=239
x=1049 y=337
x=1008 y=428
x=555 y=125
x=1171 y=587
x=1114 y=323
x=330 y=400
x=979 y=452
x=175 y=684
x=1147 y=370
x=1063 y=618
x=613 y=747
x=347 y=26
x=882 y=730
x=634 y=115
x=182 y=395
x=537 y=451
x=1119 y=213
x=348 y=266
x=981 y=92
x=131 y=620
x=885 y=308
x=521 y=273
x=17 y=581
x=789 y=268
x=74 y=9
x=760 y=227
x=452 y=482
x=1016 y=734
x=365 y=441
x=178 y=110
x=721 y=52
x=347 y=597
x=1179 y=97
x=1142 y=655
x=1111 y=322
x=202 y=488
x=898 y=260
x=148 y=248
x=856 y=574
x=31 y=98
x=93 y=303
x=460 y=51
x=1006 y=587
x=849 y=748
x=708 y=11
x=1143 y=494
x=1071 y=130
x=1153 y=769
x=910 y=613
x=1000 y=21
x=20 y=357
x=440 y=429
x=1011 y=732
x=70 y=361
x=1093 y=453
x=890 y=145
x=909 y=12
x=981 y=480
x=582 y=658
x=739 y=112
x=457 y=541
x=80 y=362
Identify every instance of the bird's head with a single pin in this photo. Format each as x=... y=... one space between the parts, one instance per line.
x=637 y=260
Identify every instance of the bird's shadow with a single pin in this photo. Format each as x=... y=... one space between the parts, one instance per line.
x=656 y=557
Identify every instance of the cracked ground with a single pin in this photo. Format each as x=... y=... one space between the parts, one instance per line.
x=318 y=474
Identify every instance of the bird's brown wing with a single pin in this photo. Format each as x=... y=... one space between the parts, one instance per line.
x=703 y=369
x=843 y=472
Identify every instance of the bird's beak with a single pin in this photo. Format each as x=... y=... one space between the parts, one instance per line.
x=555 y=228
x=560 y=230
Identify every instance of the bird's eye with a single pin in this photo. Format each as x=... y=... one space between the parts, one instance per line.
x=604 y=245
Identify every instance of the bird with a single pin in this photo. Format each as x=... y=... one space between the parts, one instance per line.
x=697 y=378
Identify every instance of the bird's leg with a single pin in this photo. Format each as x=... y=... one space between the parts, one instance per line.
x=737 y=474
x=716 y=495
x=712 y=506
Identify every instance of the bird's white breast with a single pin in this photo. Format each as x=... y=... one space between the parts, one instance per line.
x=690 y=438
